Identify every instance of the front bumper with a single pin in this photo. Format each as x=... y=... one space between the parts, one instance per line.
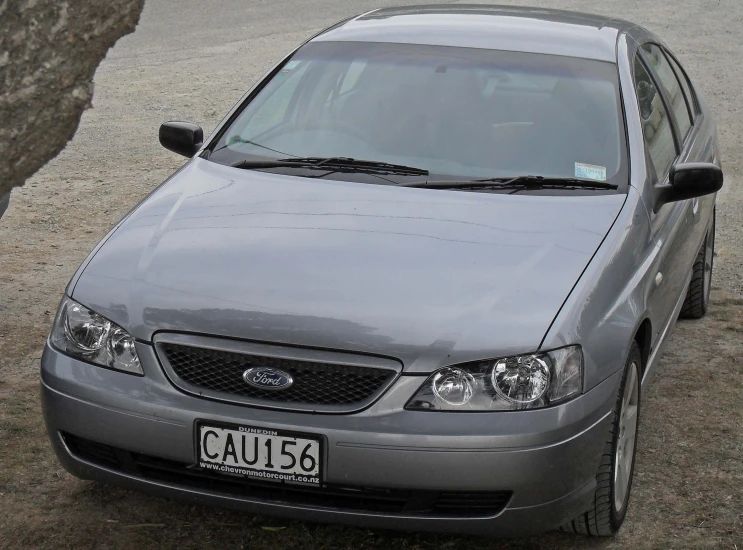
x=547 y=458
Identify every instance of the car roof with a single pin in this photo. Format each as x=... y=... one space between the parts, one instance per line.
x=509 y=28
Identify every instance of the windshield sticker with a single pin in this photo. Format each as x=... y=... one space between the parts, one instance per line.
x=590 y=171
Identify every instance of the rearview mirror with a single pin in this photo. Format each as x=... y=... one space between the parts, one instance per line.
x=689 y=180
x=183 y=138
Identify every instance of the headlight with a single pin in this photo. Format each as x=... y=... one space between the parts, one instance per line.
x=513 y=383
x=453 y=386
x=83 y=333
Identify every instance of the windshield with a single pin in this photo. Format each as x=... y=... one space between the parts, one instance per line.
x=456 y=112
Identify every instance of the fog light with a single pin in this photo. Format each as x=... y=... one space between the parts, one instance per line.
x=453 y=386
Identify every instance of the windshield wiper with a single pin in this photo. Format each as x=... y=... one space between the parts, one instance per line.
x=236 y=139
x=333 y=164
x=518 y=182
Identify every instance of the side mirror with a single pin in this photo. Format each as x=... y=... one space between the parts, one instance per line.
x=183 y=138
x=689 y=180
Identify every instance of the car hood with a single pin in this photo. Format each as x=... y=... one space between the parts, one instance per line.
x=430 y=277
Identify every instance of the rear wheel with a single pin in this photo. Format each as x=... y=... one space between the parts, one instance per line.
x=697 y=296
x=614 y=477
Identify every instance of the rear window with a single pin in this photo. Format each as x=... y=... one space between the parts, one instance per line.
x=453 y=111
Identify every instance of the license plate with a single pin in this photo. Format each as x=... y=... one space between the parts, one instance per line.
x=271 y=455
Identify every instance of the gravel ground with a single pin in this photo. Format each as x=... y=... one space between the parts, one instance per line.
x=192 y=60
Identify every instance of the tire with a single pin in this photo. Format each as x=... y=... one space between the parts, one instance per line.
x=697 y=295
x=611 y=499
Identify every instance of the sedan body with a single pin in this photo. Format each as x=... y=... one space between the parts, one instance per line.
x=450 y=334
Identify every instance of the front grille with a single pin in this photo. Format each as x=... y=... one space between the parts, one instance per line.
x=367 y=499
x=315 y=383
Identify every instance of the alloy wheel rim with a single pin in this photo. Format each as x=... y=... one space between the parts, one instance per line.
x=625 y=450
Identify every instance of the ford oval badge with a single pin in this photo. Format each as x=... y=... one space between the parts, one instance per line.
x=266 y=378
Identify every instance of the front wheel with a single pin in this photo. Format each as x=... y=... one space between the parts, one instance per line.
x=614 y=476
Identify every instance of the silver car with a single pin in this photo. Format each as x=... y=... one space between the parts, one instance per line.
x=415 y=279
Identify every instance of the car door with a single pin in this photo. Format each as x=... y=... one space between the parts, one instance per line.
x=670 y=226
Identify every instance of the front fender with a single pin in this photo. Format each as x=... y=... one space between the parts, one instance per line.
x=609 y=302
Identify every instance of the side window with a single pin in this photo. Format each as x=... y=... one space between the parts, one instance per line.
x=656 y=127
x=685 y=85
x=672 y=87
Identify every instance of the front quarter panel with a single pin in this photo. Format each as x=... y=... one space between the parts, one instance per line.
x=607 y=305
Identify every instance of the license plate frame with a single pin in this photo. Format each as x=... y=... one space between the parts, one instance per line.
x=275 y=475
